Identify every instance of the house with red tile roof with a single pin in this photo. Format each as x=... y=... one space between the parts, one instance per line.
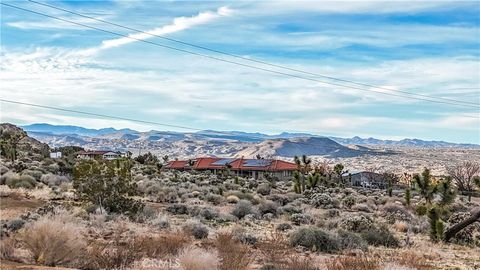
x=255 y=168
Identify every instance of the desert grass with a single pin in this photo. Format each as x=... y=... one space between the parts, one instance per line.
x=55 y=240
x=195 y=258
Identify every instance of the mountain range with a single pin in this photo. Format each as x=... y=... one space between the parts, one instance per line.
x=76 y=133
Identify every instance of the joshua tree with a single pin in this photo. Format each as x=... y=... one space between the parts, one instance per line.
x=165 y=159
x=408 y=196
x=299 y=182
x=425 y=186
x=446 y=192
x=303 y=164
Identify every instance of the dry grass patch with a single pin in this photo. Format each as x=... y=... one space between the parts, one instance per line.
x=361 y=261
x=195 y=258
x=55 y=240
x=410 y=259
x=234 y=255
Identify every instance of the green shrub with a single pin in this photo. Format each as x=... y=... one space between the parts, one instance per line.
x=14 y=180
x=348 y=201
x=242 y=208
x=380 y=237
x=196 y=229
x=421 y=209
x=314 y=239
x=357 y=223
x=350 y=241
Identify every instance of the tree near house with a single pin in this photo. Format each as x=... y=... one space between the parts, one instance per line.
x=107 y=184
x=464 y=175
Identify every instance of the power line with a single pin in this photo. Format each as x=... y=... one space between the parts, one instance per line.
x=236 y=63
x=246 y=58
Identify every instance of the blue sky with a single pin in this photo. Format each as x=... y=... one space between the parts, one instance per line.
x=424 y=47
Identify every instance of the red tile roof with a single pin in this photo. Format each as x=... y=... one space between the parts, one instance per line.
x=177 y=164
x=207 y=163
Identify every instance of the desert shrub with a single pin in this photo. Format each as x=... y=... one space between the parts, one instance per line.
x=360 y=262
x=283 y=227
x=194 y=258
x=264 y=189
x=33 y=173
x=107 y=183
x=301 y=219
x=208 y=213
x=14 y=180
x=348 y=201
x=356 y=223
x=15 y=224
x=322 y=200
x=278 y=198
x=214 y=199
x=380 y=237
x=243 y=208
x=160 y=222
x=53 y=180
x=331 y=213
x=418 y=225
x=396 y=212
x=421 y=209
x=177 y=209
x=196 y=229
x=234 y=255
x=232 y=199
x=7 y=249
x=349 y=240
x=314 y=239
x=400 y=226
x=289 y=209
x=55 y=240
x=267 y=206
x=361 y=207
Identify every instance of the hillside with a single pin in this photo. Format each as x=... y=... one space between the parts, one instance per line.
x=11 y=135
x=316 y=146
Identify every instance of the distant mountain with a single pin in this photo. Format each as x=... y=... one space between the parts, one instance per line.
x=45 y=130
x=405 y=143
x=54 y=129
x=316 y=146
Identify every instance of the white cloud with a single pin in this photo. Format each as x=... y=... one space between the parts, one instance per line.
x=179 y=24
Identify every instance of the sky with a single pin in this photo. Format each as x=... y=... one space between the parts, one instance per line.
x=424 y=47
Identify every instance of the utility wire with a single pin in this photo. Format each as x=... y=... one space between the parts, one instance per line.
x=236 y=63
x=246 y=58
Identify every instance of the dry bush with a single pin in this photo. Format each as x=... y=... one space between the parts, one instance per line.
x=234 y=255
x=194 y=258
x=7 y=249
x=359 y=262
x=274 y=249
x=121 y=252
x=412 y=260
x=400 y=226
x=299 y=263
x=55 y=240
